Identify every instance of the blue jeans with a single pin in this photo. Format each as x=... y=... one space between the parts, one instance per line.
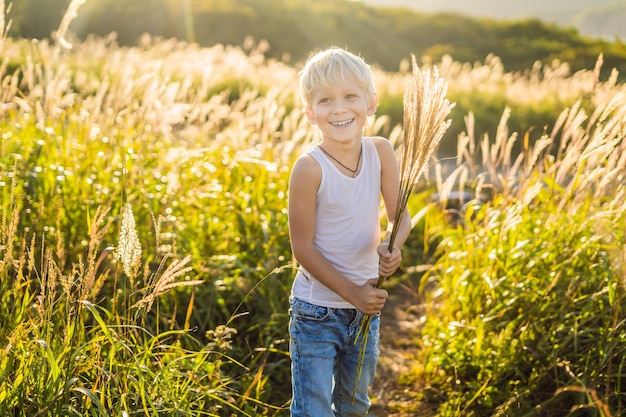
x=324 y=359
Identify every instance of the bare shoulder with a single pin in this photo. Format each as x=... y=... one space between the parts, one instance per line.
x=384 y=148
x=306 y=171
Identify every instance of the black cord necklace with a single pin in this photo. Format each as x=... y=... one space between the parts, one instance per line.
x=358 y=163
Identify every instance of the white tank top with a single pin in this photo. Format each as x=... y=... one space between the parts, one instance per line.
x=347 y=226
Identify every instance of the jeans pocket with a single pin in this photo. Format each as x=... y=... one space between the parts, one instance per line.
x=301 y=310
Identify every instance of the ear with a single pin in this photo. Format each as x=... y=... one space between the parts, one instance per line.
x=310 y=115
x=372 y=105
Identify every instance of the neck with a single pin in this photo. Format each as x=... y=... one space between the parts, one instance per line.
x=345 y=150
x=341 y=161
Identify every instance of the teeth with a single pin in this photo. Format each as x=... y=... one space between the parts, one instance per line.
x=341 y=123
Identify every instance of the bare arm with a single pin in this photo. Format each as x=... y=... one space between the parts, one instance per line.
x=303 y=184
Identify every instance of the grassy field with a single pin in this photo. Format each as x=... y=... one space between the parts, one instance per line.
x=144 y=255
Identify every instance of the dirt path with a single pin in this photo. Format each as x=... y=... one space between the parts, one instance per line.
x=400 y=323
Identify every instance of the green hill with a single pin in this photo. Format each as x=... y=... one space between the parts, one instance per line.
x=384 y=36
x=591 y=17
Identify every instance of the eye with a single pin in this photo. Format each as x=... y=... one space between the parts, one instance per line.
x=324 y=100
x=351 y=96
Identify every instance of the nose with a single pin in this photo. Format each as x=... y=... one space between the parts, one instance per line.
x=339 y=107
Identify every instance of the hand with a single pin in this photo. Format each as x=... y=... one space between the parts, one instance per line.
x=389 y=261
x=369 y=299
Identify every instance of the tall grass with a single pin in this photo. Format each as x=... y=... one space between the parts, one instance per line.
x=136 y=221
x=527 y=295
x=144 y=255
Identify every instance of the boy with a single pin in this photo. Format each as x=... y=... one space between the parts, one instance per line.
x=334 y=207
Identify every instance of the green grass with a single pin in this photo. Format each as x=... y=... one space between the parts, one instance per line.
x=145 y=264
x=527 y=296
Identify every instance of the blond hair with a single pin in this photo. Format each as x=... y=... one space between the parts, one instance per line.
x=332 y=65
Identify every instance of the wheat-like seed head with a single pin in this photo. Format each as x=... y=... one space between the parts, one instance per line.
x=425 y=111
x=128 y=250
x=166 y=281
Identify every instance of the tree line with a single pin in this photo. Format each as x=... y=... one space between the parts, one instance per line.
x=382 y=35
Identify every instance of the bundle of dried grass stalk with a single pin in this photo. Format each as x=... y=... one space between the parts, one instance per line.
x=424 y=124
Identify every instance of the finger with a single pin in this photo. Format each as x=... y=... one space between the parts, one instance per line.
x=385 y=271
x=384 y=251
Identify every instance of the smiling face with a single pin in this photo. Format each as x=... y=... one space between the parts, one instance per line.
x=340 y=110
x=338 y=94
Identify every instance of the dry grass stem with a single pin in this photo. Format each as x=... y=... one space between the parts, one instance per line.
x=426 y=109
x=70 y=14
x=2 y=24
